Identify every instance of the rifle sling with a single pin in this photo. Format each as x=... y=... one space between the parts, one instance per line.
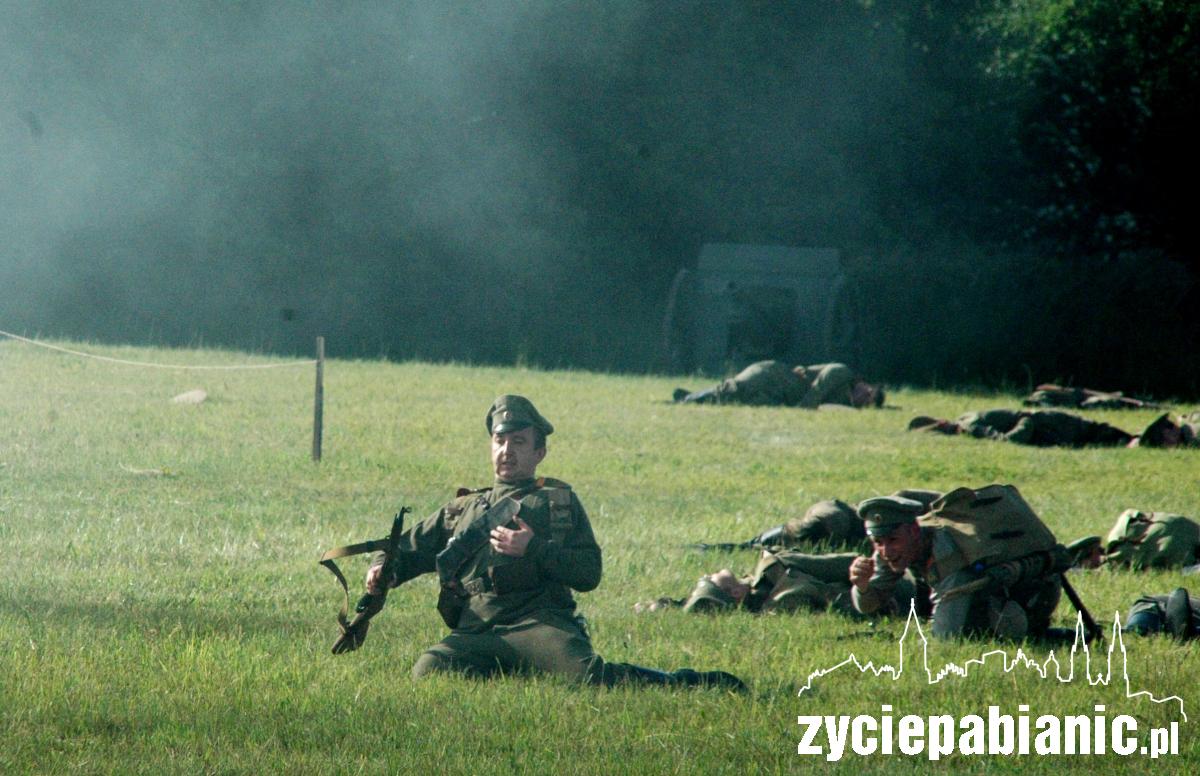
x=327 y=560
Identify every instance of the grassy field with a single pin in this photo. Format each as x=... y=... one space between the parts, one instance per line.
x=162 y=610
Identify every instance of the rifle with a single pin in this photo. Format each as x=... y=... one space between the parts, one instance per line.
x=1061 y=563
x=354 y=632
x=1089 y=623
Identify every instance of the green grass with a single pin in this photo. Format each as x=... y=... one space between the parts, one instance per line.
x=162 y=611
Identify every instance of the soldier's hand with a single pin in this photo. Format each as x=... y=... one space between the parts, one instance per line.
x=862 y=569
x=353 y=637
x=374 y=582
x=506 y=541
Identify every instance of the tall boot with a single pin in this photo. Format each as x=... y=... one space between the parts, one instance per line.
x=721 y=680
x=1181 y=620
x=706 y=396
x=618 y=673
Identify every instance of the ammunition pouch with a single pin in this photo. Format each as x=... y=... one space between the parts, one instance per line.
x=512 y=578
x=453 y=557
x=450 y=605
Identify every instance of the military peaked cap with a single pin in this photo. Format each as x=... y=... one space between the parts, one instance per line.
x=883 y=514
x=512 y=413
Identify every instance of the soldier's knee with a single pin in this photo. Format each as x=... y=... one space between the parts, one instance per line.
x=431 y=663
x=437 y=661
x=1010 y=621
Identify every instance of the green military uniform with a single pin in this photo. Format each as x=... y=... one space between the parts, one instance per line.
x=1165 y=432
x=786 y=581
x=828 y=384
x=777 y=384
x=1082 y=398
x=1152 y=540
x=831 y=522
x=1040 y=428
x=1177 y=613
x=1082 y=550
x=961 y=600
x=510 y=614
x=763 y=383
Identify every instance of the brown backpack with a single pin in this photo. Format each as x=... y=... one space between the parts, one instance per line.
x=989 y=525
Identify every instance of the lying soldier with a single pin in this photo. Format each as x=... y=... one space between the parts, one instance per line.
x=1177 y=614
x=830 y=523
x=783 y=581
x=1039 y=428
x=774 y=383
x=1010 y=595
x=1051 y=395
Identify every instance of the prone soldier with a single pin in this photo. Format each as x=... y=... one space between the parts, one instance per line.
x=1051 y=395
x=1040 y=428
x=775 y=383
x=1011 y=598
x=1051 y=428
x=783 y=581
x=1177 y=613
x=1141 y=540
x=831 y=523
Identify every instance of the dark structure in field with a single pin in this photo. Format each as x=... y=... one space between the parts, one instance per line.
x=745 y=303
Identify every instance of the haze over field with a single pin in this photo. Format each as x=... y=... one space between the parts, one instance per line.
x=488 y=182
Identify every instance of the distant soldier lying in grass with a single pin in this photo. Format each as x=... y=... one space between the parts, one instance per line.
x=1142 y=540
x=1051 y=428
x=783 y=581
x=1051 y=395
x=1177 y=614
x=774 y=383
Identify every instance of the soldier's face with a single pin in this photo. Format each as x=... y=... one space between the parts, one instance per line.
x=725 y=579
x=899 y=548
x=514 y=456
x=1093 y=560
x=862 y=394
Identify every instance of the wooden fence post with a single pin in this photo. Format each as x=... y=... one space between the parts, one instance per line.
x=319 y=400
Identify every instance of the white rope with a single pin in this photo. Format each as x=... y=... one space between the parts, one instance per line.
x=145 y=363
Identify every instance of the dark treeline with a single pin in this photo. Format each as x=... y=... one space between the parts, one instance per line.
x=521 y=180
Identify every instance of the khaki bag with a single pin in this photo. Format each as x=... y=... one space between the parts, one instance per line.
x=1152 y=539
x=987 y=526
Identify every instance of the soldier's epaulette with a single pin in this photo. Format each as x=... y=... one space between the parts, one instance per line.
x=550 y=482
x=468 y=491
x=459 y=504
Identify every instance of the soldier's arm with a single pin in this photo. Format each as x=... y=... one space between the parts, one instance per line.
x=417 y=553
x=879 y=591
x=575 y=560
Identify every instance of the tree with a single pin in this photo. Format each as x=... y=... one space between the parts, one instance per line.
x=1106 y=95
